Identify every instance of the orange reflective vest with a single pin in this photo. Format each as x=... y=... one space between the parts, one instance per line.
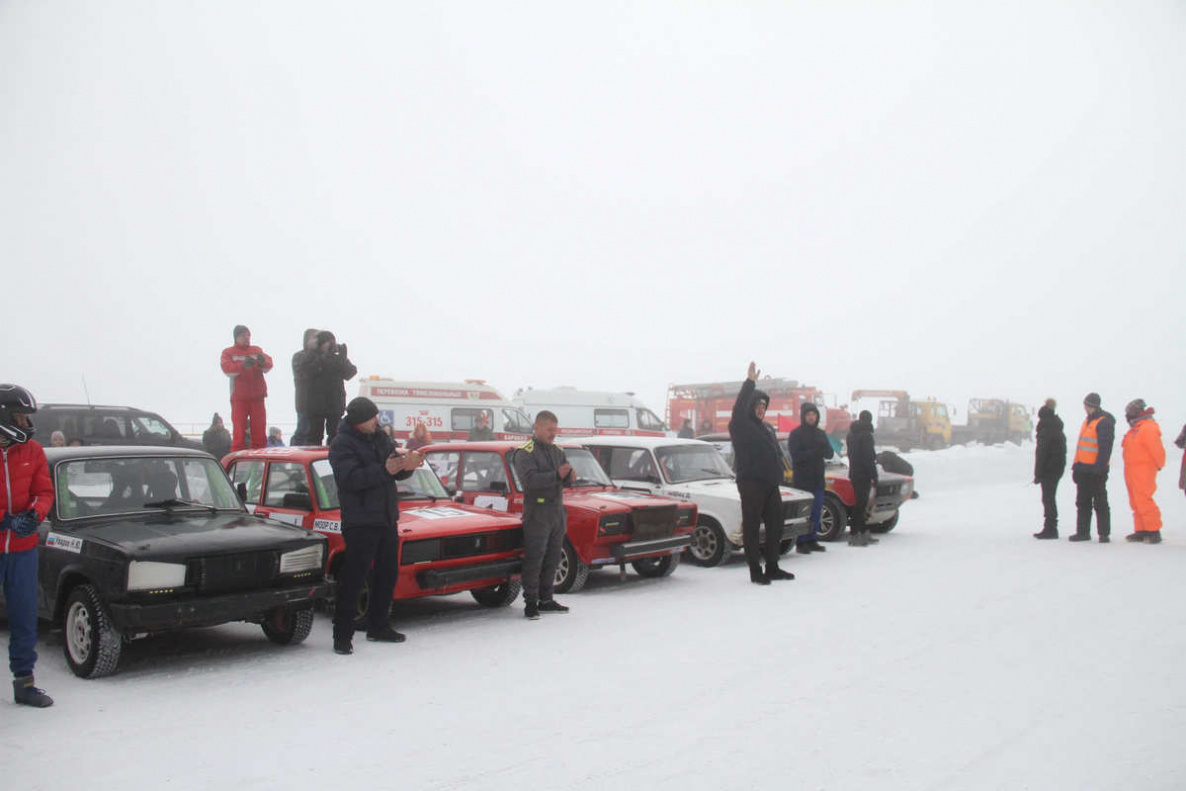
x=1088 y=449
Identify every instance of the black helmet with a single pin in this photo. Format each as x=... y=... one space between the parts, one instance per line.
x=16 y=400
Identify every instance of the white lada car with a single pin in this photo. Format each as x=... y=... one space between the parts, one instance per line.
x=692 y=470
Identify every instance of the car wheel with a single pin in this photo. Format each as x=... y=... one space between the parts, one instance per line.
x=833 y=520
x=92 y=644
x=785 y=546
x=709 y=545
x=661 y=566
x=571 y=573
x=885 y=526
x=498 y=595
x=286 y=626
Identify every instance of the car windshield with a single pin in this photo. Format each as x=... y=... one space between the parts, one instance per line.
x=683 y=463
x=588 y=471
x=423 y=484
x=89 y=487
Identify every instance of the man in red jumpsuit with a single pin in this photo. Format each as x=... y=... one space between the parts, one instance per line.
x=246 y=365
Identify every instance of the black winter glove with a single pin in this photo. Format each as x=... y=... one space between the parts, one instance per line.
x=342 y=349
x=25 y=524
x=6 y=522
x=248 y=362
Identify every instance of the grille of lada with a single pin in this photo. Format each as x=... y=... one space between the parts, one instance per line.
x=232 y=573
x=426 y=550
x=653 y=522
x=889 y=490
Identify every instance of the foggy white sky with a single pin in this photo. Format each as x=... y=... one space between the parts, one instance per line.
x=958 y=199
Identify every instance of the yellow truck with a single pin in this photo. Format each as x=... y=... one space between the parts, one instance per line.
x=909 y=423
x=994 y=420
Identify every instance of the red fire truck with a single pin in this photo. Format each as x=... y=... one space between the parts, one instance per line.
x=709 y=406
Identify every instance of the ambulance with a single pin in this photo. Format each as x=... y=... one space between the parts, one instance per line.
x=447 y=409
x=588 y=413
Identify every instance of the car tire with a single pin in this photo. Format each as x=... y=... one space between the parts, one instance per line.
x=709 y=547
x=660 y=566
x=92 y=643
x=833 y=520
x=571 y=573
x=502 y=595
x=885 y=526
x=286 y=626
x=785 y=546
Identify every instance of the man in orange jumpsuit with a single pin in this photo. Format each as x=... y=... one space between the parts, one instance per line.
x=1144 y=455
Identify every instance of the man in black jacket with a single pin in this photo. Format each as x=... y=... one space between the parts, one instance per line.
x=328 y=369
x=544 y=469
x=366 y=467
x=862 y=471
x=1050 y=461
x=758 y=466
x=809 y=450
x=300 y=387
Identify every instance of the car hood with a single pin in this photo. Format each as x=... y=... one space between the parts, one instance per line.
x=189 y=533
x=451 y=519
x=610 y=501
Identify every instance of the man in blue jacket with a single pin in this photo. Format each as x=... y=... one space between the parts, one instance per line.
x=757 y=462
x=366 y=467
x=809 y=449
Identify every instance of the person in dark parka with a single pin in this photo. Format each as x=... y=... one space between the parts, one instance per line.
x=1181 y=443
x=757 y=462
x=216 y=439
x=366 y=467
x=1050 y=461
x=809 y=449
x=328 y=369
x=862 y=471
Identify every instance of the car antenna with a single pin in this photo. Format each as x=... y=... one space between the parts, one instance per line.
x=86 y=390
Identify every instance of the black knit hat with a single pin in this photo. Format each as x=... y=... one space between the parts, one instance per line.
x=360 y=410
x=1092 y=400
x=760 y=395
x=325 y=336
x=239 y=330
x=866 y=416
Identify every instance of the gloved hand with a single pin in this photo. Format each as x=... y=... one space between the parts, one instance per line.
x=25 y=524
x=6 y=522
x=259 y=360
x=248 y=361
x=342 y=349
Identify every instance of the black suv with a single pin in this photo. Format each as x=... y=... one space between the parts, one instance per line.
x=144 y=540
x=108 y=425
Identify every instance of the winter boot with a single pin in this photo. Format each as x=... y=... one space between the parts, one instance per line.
x=858 y=539
x=1080 y=537
x=1144 y=537
x=551 y=605
x=345 y=647
x=531 y=611
x=1105 y=540
x=385 y=635
x=26 y=694
x=775 y=573
x=1048 y=532
x=868 y=538
x=757 y=576
x=816 y=546
x=804 y=548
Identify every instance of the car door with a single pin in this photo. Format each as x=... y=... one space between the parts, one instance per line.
x=287 y=494
x=483 y=480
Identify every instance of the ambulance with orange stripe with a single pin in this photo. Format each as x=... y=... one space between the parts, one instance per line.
x=447 y=409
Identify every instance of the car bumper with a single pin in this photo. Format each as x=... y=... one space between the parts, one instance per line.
x=633 y=550
x=436 y=579
x=213 y=610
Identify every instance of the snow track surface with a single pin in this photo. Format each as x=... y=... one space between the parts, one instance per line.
x=957 y=653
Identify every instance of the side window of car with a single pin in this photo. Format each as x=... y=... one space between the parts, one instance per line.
x=105 y=427
x=611 y=418
x=445 y=465
x=649 y=421
x=483 y=472
x=250 y=473
x=465 y=418
x=288 y=487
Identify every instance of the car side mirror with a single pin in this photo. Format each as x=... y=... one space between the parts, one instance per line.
x=298 y=501
x=498 y=486
x=241 y=490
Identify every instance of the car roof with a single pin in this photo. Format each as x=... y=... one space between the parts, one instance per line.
x=282 y=452
x=636 y=442
x=92 y=408
x=53 y=455
x=498 y=445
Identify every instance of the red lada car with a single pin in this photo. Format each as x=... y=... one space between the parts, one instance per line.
x=445 y=547
x=606 y=526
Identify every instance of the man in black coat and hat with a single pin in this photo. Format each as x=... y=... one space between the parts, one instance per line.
x=1050 y=461
x=809 y=449
x=328 y=367
x=862 y=471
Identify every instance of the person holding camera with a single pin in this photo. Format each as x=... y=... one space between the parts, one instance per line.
x=328 y=368
x=366 y=466
x=246 y=365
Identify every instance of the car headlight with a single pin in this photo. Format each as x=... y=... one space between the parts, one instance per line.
x=146 y=575
x=684 y=518
x=298 y=560
x=611 y=524
x=907 y=490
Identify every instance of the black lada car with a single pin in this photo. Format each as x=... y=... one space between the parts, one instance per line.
x=144 y=540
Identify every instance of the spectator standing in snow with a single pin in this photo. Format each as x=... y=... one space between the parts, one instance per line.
x=245 y=365
x=1144 y=456
x=1181 y=443
x=275 y=437
x=809 y=449
x=544 y=469
x=421 y=436
x=366 y=467
x=300 y=382
x=862 y=471
x=216 y=439
x=328 y=368
x=25 y=500
x=757 y=462
x=1050 y=461
x=685 y=430
x=1093 y=455
x=481 y=431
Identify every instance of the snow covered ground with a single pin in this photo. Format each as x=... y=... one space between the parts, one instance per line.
x=958 y=653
